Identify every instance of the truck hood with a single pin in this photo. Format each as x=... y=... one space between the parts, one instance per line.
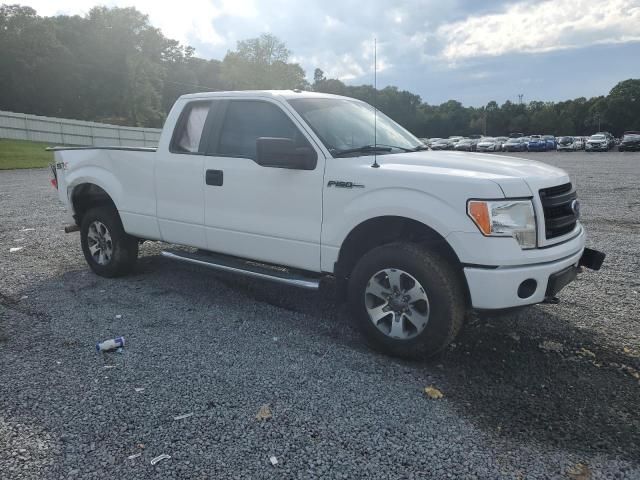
x=517 y=177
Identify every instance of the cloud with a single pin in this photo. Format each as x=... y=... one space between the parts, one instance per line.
x=534 y=27
x=463 y=49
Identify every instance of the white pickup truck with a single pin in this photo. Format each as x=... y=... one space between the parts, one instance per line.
x=294 y=186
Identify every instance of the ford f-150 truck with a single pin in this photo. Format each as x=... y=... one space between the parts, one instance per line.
x=293 y=186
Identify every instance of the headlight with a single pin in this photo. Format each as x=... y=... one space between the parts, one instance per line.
x=505 y=218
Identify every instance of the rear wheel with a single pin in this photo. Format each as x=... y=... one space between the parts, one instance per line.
x=108 y=249
x=407 y=300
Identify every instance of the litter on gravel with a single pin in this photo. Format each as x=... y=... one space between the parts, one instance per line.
x=433 y=393
x=15 y=249
x=182 y=417
x=551 y=346
x=111 y=344
x=159 y=458
x=139 y=389
x=264 y=413
x=28 y=230
x=579 y=471
x=273 y=460
x=135 y=455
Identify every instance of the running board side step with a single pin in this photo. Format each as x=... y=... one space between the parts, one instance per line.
x=248 y=268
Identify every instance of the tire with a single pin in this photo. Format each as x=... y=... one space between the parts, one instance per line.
x=435 y=326
x=116 y=251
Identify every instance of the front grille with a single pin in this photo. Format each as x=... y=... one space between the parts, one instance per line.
x=559 y=217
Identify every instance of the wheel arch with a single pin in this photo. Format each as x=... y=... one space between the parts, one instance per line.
x=382 y=230
x=87 y=195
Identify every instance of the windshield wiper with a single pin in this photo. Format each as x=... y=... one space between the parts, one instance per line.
x=363 y=149
x=418 y=148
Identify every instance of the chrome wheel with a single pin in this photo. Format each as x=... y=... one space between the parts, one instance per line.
x=100 y=243
x=396 y=303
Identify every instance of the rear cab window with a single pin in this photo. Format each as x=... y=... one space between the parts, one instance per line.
x=188 y=135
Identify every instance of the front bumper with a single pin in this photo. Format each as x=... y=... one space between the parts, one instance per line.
x=500 y=288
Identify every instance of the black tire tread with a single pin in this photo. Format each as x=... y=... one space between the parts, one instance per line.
x=426 y=260
x=125 y=251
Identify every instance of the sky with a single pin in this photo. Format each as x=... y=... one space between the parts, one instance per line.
x=467 y=50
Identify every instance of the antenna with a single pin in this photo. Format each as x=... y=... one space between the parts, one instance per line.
x=375 y=103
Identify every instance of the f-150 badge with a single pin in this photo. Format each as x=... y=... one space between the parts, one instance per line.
x=341 y=184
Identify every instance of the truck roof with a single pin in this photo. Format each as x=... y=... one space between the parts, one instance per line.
x=284 y=94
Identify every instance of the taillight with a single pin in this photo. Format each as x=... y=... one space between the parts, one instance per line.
x=54 y=176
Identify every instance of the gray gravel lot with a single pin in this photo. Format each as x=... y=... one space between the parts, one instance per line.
x=220 y=347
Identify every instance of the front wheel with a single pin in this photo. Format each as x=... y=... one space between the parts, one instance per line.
x=408 y=301
x=108 y=249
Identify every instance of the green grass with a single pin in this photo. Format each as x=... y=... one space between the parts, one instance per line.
x=23 y=154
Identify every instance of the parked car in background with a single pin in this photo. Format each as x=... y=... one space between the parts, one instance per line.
x=502 y=141
x=488 y=144
x=466 y=145
x=442 y=144
x=551 y=142
x=579 y=143
x=597 y=143
x=566 y=144
x=630 y=142
x=537 y=144
x=515 y=145
x=609 y=137
x=455 y=139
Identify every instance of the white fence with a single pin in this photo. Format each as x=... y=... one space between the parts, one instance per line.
x=62 y=131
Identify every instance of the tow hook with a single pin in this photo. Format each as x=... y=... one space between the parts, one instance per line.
x=71 y=228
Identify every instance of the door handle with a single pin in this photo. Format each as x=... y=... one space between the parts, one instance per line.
x=214 y=178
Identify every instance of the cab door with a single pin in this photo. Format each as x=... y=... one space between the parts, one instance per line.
x=251 y=211
x=179 y=182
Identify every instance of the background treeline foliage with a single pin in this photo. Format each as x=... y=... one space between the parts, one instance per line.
x=113 y=66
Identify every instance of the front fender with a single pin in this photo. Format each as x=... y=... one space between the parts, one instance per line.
x=409 y=203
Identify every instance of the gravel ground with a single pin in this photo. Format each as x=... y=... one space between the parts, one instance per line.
x=548 y=392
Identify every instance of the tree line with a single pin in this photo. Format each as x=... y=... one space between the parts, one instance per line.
x=112 y=65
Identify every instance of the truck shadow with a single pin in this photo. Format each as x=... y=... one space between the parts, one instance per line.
x=527 y=375
x=577 y=393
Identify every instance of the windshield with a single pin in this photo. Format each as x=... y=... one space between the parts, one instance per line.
x=631 y=136
x=597 y=137
x=514 y=140
x=343 y=124
x=566 y=140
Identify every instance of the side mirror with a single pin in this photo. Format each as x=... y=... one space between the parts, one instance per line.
x=283 y=153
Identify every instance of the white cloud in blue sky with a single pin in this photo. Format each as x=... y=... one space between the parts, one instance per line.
x=462 y=49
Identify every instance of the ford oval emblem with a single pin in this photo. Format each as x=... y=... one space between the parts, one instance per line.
x=575 y=208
